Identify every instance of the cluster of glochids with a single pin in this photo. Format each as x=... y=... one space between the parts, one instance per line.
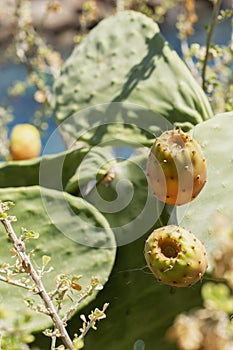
x=176 y=172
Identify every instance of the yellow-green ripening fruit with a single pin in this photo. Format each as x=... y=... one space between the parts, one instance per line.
x=176 y=168
x=175 y=256
x=25 y=142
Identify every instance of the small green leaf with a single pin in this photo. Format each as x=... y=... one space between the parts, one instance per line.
x=28 y=338
x=29 y=302
x=9 y=204
x=29 y=234
x=76 y=278
x=46 y=260
x=78 y=344
x=3 y=215
x=5 y=206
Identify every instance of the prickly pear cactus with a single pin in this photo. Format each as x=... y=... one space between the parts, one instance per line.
x=215 y=137
x=94 y=167
x=125 y=58
x=28 y=172
x=175 y=256
x=176 y=168
x=68 y=256
x=134 y=293
x=122 y=196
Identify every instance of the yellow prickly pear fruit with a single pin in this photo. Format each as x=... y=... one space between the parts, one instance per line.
x=25 y=142
x=175 y=256
x=176 y=168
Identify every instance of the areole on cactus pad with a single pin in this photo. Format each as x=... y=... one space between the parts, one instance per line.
x=176 y=168
x=175 y=256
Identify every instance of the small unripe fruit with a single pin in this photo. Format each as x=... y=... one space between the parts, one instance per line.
x=25 y=142
x=175 y=256
x=176 y=168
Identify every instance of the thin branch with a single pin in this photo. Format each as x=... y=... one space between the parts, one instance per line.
x=15 y=283
x=93 y=318
x=29 y=268
x=53 y=342
x=73 y=308
x=210 y=32
x=86 y=330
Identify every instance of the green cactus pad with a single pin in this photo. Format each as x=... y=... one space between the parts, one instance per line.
x=124 y=198
x=133 y=293
x=215 y=138
x=93 y=168
x=27 y=172
x=125 y=58
x=140 y=307
x=67 y=255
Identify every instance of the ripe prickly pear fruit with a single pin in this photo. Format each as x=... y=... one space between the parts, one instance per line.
x=175 y=256
x=25 y=142
x=176 y=168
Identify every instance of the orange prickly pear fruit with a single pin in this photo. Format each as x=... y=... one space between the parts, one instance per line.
x=175 y=256
x=25 y=142
x=176 y=168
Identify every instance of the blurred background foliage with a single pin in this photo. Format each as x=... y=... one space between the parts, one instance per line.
x=36 y=36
